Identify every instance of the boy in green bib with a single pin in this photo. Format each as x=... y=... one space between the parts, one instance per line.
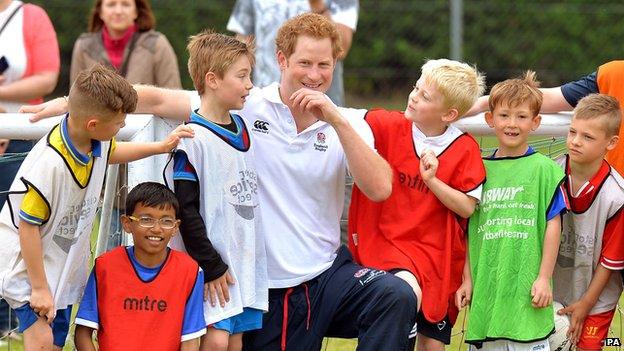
x=513 y=236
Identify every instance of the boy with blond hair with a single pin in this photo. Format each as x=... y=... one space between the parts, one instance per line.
x=418 y=232
x=215 y=181
x=592 y=243
x=513 y=236
x=45 y=225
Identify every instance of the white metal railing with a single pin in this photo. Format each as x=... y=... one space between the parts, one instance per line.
x=17 y=126
x=553 y=124
x=144 y=127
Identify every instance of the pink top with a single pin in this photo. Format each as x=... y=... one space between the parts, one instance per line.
x=42 y=50
x=115 y=47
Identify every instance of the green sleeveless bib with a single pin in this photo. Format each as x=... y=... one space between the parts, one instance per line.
x=505 y=240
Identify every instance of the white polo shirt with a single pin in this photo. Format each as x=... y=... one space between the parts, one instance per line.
x=301 y=179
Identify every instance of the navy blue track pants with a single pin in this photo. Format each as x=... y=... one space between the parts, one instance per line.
x=346 y=301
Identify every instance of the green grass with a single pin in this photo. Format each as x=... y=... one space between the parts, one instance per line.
x=350 y=345
x=457 y=336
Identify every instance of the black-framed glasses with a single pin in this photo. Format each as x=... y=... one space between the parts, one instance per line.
x=149 y=222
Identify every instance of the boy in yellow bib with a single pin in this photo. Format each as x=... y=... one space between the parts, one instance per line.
x=45 y=224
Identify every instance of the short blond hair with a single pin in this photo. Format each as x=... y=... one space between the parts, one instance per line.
x=102 y=93
x=309 y=24
x=516 y=91
x=215 y=52
x=603 y=107
x=459 y=83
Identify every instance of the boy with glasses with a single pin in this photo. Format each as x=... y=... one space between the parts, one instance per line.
x=145 y=296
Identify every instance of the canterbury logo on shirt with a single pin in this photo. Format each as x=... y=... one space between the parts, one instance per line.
x=261 y=126
x=144 y=304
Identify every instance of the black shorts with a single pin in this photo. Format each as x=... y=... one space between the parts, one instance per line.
x=440 y=331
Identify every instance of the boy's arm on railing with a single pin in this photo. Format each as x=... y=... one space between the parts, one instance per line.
x=553 y=101
x=168 y=103
x=55 y=107
x=480 y=105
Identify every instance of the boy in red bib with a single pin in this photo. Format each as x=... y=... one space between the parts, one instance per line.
x=418 y=232
x=146 y=296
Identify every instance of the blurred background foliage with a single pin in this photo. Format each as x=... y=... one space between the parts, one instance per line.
x=561 y=40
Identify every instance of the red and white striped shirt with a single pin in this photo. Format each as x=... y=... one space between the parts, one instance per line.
x=592 y=234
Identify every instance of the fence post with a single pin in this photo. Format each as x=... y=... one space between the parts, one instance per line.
x=457 y=29
x=106 y=216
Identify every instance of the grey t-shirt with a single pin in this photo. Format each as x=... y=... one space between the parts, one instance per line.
x=262 y=18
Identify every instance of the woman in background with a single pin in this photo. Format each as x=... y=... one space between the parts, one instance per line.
x=31 y=61
x=121 y=34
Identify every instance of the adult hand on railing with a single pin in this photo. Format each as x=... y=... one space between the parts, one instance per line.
x=48 y=109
